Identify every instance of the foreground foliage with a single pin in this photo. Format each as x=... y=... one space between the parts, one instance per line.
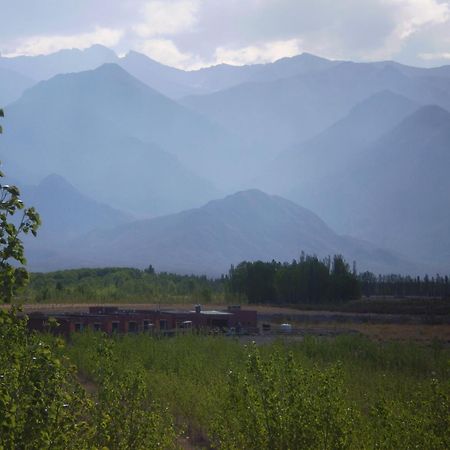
x=43 y=405
x=343 y=393
x=142 y=392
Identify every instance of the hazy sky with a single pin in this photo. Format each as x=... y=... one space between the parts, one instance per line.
x=194 y=33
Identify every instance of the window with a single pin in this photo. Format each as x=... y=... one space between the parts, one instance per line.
x=78 y=327
x=115 y=327
x=132 y=327
x=163 y=325
x=97 y=326
x=147 y=325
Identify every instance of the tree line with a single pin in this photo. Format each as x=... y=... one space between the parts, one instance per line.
x=404 y=286
x=308 y=280
x=119 y=284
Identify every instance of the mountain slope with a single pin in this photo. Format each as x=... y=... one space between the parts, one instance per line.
x=396 y=193
x=173 y=83
x=66 y=214
x=12 y=85
x=248 y=225
x=65 y=211
x=308 y=164
x=43 y=67
x=82 y=126
x=112 y=97
x=224 y=76
x=279 y=113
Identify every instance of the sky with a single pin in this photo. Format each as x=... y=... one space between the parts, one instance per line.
x=189 y=34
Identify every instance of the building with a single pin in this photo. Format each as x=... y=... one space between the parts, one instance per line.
x=111 y=319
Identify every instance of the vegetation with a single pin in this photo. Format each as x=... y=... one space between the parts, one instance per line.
x=43 y=405
x=343 y=393
x=121 y=285
x=403 y=286
x=307 y=283
x=308 y=280
x=140 y=392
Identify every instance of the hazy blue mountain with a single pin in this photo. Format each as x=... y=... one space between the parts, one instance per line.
x=436 y=72
x=66 y=214
x=396 y=192
x=248 y=225
x=12 y=85
x=66 y=211
x=279 y=113
x=289 y=67
x=110 y=98
x=176 y=83
x=309 y=164
x=224 y=76
x=83 y=126
x=173 y=83
x=43 y=67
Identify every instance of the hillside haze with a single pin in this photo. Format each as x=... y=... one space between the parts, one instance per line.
x=120 y=130
x=306 y=165
x=249 y=225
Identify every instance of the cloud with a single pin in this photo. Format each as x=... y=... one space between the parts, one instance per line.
x=42 y=45
x=162 y=18
x=409 y=18
x=266 y=52
x=187 y=33
x=415 y=14
x=166 y=52
x=434 y=56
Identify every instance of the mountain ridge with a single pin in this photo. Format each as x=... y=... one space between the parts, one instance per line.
x=209 y=239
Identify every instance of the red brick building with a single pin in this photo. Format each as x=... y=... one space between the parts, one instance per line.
x=115 y=320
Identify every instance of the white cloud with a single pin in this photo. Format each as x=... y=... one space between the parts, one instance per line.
x=409 y=17
x=252 y=54
x=434 y=56
x=161 y=18
x=166 y=52
x=415 y=14
x=43 y=45
x=187 y=33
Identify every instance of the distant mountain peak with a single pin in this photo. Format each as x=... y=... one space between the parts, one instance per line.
x=54 y=180
x=99 y=48
x=111 y=68
x=382 y=100
x=133 y=55
x=248 y=195
x=430 y=115
x=57 y=182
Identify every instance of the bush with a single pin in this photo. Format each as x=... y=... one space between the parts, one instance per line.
x=276 y=403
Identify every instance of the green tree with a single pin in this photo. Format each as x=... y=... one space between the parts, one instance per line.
x=12 y=259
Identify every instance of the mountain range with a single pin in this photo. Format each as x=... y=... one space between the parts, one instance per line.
x=117 y=139
x=248 y=225
x=363 y=145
